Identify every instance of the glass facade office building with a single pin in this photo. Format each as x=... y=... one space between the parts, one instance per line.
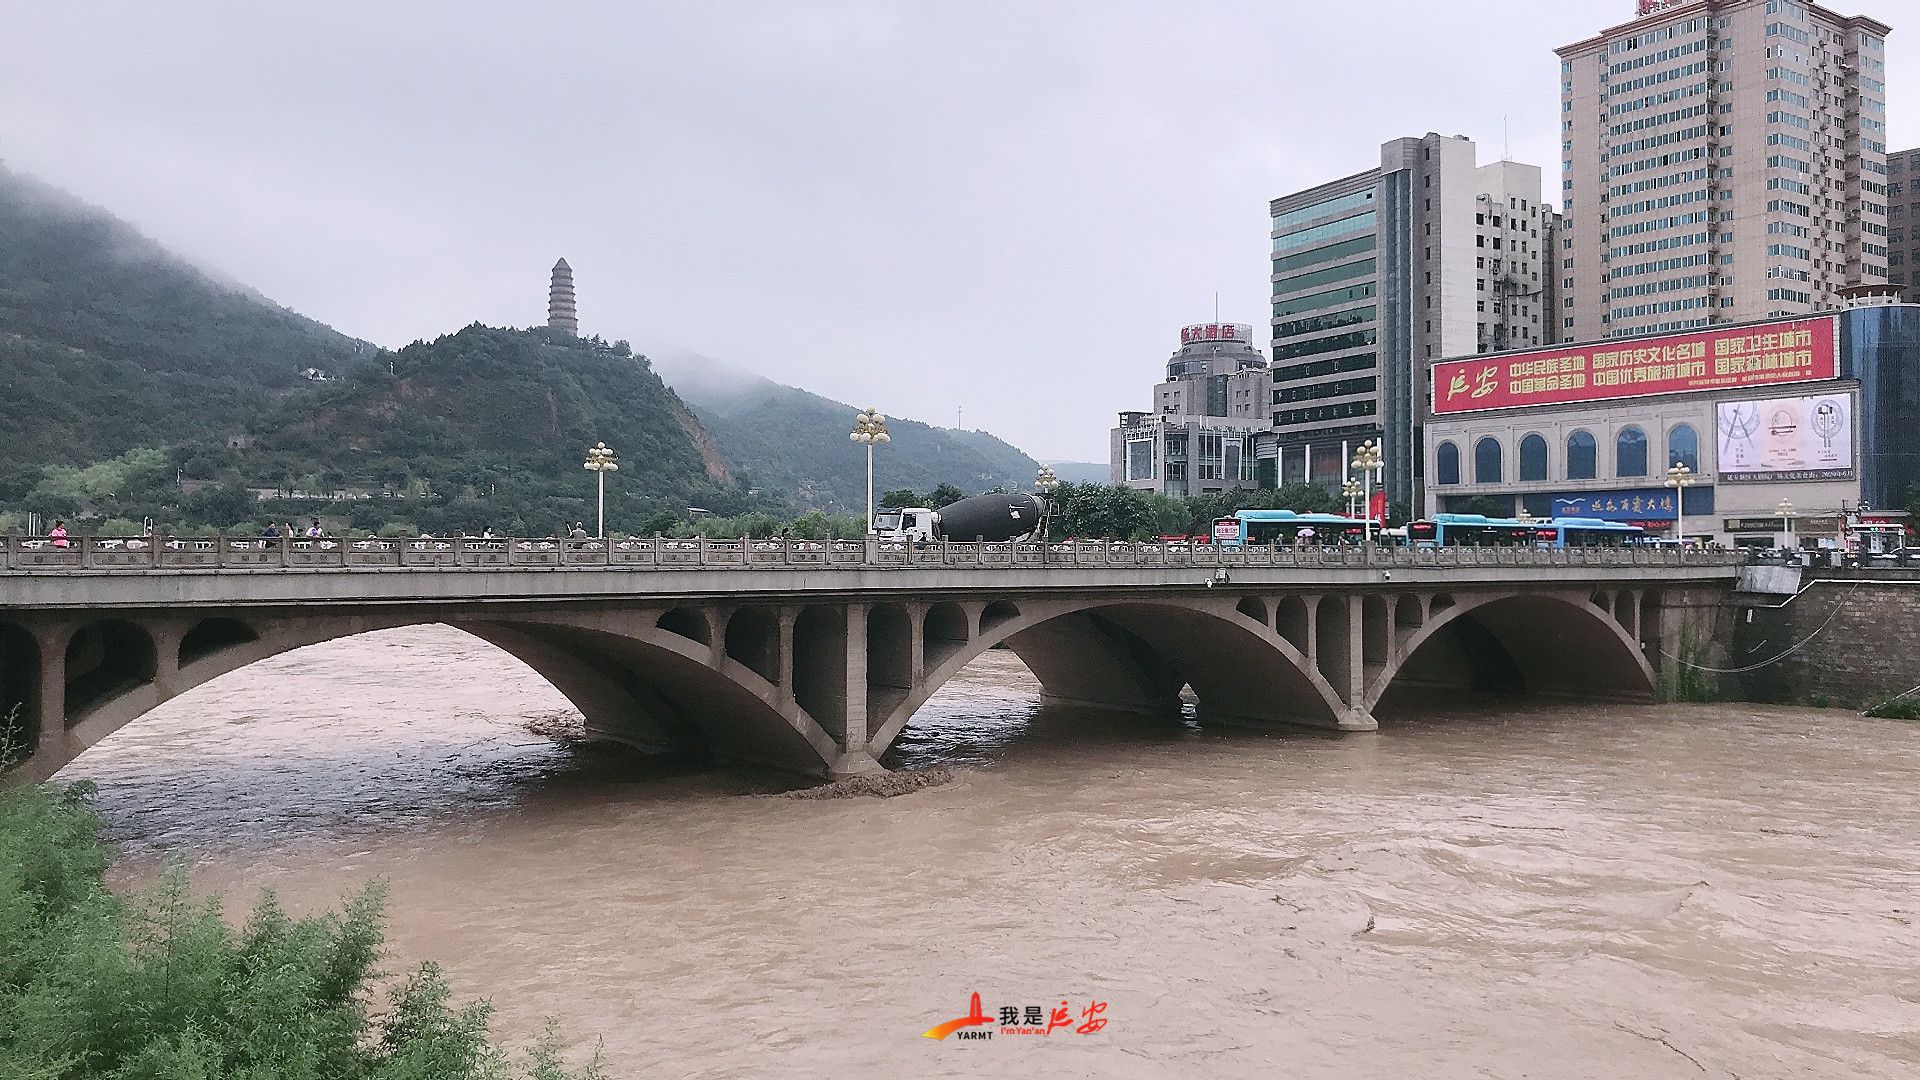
x=1374 y=276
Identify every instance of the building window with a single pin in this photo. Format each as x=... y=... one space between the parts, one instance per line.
x=1583 y=455
x=1486 y=460
x=1140 y=459
x=1630 y=452
x=1683 y=447
x=1446 y=464
x=1533 y=458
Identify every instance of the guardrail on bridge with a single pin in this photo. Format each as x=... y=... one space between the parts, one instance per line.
x=151 y=553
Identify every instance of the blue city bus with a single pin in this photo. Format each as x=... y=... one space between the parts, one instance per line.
x=1478 y=530
x=1285 y=528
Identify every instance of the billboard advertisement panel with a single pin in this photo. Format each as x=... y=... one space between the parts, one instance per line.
x=1765 y=354
x=1786 y=438
x=1637 y=504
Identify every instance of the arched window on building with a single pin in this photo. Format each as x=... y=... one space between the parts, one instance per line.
x=1683 y=447
x=1486 y=460
x=1630 y=452
x=1533 y=458
x=1583 y=456
x=1446 y=464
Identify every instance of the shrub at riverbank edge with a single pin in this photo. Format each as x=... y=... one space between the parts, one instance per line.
x=157 y=985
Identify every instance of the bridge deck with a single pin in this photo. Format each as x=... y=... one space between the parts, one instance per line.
x=96 y=573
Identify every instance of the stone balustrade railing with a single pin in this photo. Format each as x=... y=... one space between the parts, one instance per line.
x=133 y=554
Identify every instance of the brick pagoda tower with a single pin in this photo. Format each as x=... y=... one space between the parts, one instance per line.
x=560 y=311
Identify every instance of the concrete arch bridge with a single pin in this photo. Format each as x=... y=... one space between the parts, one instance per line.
x=816 y=668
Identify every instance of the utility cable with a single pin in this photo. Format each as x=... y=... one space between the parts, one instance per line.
x=1784 y=653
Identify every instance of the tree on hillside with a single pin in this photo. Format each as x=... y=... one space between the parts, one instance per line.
x=901 y=497
x=944 y=495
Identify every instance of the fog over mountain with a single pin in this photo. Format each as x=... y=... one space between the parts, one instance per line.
x=796 y=441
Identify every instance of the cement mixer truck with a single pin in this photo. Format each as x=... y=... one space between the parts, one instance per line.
x=995 y=518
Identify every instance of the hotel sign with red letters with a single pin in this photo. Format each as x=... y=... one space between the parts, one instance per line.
x=1764 y=354
x=1203 y=332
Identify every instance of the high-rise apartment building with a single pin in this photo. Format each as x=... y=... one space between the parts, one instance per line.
x=1903 y=222
x=1377 y=274
x=1721 y=161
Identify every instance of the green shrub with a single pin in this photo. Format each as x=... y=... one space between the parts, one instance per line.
x=158 y=986
x=1901 y=707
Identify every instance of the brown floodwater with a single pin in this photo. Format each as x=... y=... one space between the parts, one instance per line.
x=1529 y=891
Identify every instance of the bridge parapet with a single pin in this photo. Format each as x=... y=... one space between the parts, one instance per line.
x=137 y=554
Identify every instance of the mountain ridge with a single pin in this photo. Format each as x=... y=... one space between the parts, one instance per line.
x=758 y=423
x=126 y=371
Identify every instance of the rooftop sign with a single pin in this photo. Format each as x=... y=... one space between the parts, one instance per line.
x=1763 y=354
x=1655 y=7
x=1204 y=332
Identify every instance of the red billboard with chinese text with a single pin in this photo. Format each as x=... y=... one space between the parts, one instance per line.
x=1763 y=354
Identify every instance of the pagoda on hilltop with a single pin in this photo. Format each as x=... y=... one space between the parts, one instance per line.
x=561 y=315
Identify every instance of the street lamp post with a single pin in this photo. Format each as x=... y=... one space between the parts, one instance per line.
x=870 y=428
x=1350 y=491
x=1787 y=514
x=1044 y=481
x=1366 y=462
x=600 y=460
x=1679 y=477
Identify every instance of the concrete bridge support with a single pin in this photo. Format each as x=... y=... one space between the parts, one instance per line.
x=823 y=683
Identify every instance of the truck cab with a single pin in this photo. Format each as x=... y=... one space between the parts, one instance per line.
x=905 y=523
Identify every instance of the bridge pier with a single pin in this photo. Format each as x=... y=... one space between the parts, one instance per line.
x=52 y=740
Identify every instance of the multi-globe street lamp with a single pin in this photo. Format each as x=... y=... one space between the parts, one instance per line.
x=1679 y=478
x=1044 y=481
x=1787 y=514
x=1351 y=491
x=1366 y=462
x=600 y=461
x=870 y=428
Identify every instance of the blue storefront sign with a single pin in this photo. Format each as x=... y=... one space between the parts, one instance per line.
x=1637 y=504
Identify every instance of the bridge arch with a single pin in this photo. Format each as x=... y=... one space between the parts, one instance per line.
x=1132 y=654
x=644 y=681
x=1544 y=643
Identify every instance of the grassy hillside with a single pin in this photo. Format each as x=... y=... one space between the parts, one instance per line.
x=486 y=427
x=108 y=342
x=779 y=438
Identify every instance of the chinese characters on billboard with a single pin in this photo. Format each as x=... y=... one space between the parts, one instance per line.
x=1762 y=355
x=1641 y=504
x=1793 y=438
x=1216 y=332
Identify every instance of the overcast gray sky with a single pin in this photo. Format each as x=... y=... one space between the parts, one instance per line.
x=1006 y=207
